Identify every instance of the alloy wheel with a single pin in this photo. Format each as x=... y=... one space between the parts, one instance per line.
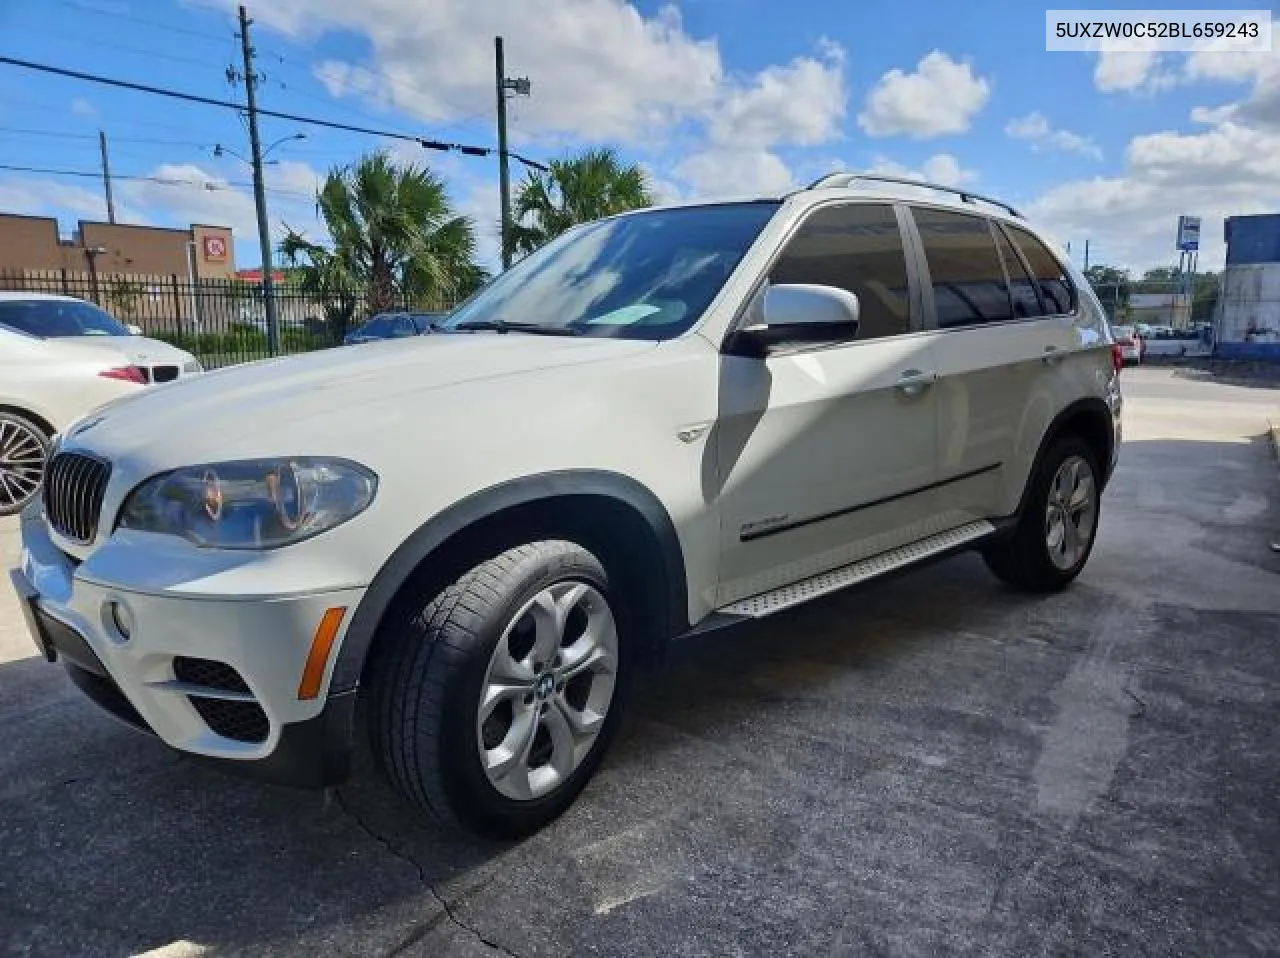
x=547 y=690
x=22 y=459
x=1071 y=512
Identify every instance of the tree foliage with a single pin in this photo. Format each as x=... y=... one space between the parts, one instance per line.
x=396 y=239
x=576 y=190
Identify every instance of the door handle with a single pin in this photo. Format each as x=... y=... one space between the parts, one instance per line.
x=913 y=382
x=1051 y=355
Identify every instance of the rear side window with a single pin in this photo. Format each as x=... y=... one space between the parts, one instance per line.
x=1025 y=302
x=858 y=248
x=969 y=286
x=1055 y=287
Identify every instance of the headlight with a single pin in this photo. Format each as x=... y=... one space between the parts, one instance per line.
x=251 y=504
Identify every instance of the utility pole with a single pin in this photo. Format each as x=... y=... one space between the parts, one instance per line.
x=519 y=85
x=504 y=175
x=106 y=177
x=1086 y=256
x=259 y=190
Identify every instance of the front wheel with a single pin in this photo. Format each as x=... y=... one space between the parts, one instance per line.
x=23 y=451
x=493 y=705
x=1055 y=533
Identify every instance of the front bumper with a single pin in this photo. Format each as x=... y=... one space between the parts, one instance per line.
x=217 y=677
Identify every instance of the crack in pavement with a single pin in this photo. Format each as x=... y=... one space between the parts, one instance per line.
x=398 y=852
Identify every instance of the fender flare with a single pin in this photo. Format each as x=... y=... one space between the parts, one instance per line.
x=440 y=528
x=1093 y=406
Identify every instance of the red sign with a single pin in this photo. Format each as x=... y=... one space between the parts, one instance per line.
x=215 y=248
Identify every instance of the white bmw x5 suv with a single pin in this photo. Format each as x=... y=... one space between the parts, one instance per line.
x=659 y=423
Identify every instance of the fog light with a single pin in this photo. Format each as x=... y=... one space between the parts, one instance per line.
x=121 y=619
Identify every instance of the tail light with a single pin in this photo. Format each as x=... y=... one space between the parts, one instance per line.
x=129 y=374
x=1117 y=357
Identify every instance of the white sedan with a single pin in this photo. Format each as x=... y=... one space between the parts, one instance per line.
x=60 y=358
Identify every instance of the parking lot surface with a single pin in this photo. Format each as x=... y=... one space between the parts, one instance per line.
x=929 y=765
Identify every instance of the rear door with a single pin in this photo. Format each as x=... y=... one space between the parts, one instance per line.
x=998 y=352
x=826 y=455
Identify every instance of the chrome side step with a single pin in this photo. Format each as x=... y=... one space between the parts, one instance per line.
x=797 y=593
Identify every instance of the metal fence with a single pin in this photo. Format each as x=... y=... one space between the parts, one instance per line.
x=220 y=321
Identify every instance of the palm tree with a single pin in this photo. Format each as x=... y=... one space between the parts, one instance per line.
x=395 y=237
x=575 y=190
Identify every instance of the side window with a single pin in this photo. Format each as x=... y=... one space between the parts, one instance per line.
x=1055 y=287
x=858 y=248
x=969 y=286
x=1025 y=302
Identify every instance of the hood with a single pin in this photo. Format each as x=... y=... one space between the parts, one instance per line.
x=131 y=350
x=318 y=397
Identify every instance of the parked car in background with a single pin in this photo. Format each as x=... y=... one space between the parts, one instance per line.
x=659 y=423
x=1130 y=342
x=392 y=326
x=60 y=358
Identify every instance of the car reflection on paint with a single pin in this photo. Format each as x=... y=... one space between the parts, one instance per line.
x=392 y=326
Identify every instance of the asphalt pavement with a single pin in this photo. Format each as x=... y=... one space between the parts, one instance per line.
x=929 y=765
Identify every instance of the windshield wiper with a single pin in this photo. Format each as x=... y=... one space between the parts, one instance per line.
x=506 y=326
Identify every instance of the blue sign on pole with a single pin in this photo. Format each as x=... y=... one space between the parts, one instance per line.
x=1188 y=233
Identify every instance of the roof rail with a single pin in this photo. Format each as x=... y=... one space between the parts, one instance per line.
x=838 y=180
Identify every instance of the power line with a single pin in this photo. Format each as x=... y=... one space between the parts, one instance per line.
x=232 y=105
x=59 y=134
x=233 y=185
x=185 y=31
x=112 y=45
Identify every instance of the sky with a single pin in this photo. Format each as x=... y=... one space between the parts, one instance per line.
x=711 y=97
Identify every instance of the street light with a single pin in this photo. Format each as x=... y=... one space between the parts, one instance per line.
x=220 y=151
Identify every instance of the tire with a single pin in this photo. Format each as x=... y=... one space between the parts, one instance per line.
x=1042 y=554
x=481 y=636
x=24 y=452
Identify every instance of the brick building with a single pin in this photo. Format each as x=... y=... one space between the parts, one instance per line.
x=32 y=244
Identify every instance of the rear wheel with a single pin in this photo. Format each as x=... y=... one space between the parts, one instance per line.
x=493 y=705
x=1055 y=533
x=24 y=449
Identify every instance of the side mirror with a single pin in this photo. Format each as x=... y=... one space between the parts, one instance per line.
x=793 y=314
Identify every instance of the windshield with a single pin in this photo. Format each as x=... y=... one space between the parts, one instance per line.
x=56 y=318
x=648 y=275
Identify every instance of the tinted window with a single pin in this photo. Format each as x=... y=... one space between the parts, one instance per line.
x=1025 y=303
x=55 y=318
x=968 y=281
x=646 y=275
x=381 y=325
x=1055 y=287
x=857 y=248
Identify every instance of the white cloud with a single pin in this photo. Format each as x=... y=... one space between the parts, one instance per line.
x=940 y=168
x=39 y=196
x=1035 y=129
x=83 y=108
x=1229 y=170
x=941 y=97
x=1261 y=106
x=734 y=172
x=600 y=68
x=802 y=103
x=662 y=188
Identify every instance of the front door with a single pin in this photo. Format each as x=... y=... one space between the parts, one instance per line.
x=827 y=455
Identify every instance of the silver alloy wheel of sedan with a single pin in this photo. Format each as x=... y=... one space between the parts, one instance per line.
x=22 y=460
x=1071 y=512
x=547 y=690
